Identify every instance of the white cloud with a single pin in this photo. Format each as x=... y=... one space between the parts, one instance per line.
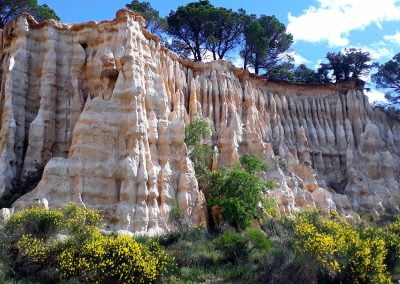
x=395 y=38
x=333 y=20
x=293 y=55
x=297 y=58
x=378 y=50
x=375 y=96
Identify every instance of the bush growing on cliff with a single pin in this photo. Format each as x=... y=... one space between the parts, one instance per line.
x=196 y=133
x=49 y=245
x=237 y=191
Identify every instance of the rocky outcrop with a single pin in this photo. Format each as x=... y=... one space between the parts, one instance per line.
x=95 y=113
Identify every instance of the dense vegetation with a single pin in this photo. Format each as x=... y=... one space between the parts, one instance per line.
x=66 y=245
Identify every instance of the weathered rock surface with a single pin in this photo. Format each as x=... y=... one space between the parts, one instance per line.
x=95 y=113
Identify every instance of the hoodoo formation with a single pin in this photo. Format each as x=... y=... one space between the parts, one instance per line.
x=96 y=112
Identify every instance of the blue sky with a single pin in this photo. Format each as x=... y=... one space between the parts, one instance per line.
x=318 y=26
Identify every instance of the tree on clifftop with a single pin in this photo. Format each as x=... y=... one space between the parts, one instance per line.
x=199 y=27
x=352 y=64
x=266 y=40
x=224 y=31
x=155 y=23
x=300 y=74
x=10 y=9
x=187 y=25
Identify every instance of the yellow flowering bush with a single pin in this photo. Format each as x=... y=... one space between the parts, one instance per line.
x=80 y=221
x=342 y=250
x=30 y=242
x=119 y=259
x=34 y=249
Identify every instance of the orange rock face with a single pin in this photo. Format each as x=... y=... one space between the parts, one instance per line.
x=95 y=113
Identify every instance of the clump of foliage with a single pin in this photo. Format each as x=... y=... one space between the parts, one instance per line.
x=265 y=40
x=205 y=257
x=287 y=71
x=237 y=191
x=200 y=26
x=49 y=245
x=115 y=259
x=10 y=9
x=196 y=133
x=238 y=246
x=352 y=64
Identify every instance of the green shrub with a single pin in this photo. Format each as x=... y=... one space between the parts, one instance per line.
x=80 y=222
x=27 y=241
x=177 y=215
x=257 y=239
x=283 y=265
x=191 y=247
x=233 y=245
x=252 y=164
x=197 y=130
x=390 y=234
x=201 y=155
x=237 y=193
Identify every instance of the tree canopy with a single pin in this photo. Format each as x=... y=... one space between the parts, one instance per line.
x=199 y=27
x=10 y=9
x=352 y=64
x=188 y=26
x=224 y=31
x=298 y=74
x=155 y=23
x=265 y=41
x=388 y=77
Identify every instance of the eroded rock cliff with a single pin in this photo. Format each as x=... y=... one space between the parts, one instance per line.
x=95 y=113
